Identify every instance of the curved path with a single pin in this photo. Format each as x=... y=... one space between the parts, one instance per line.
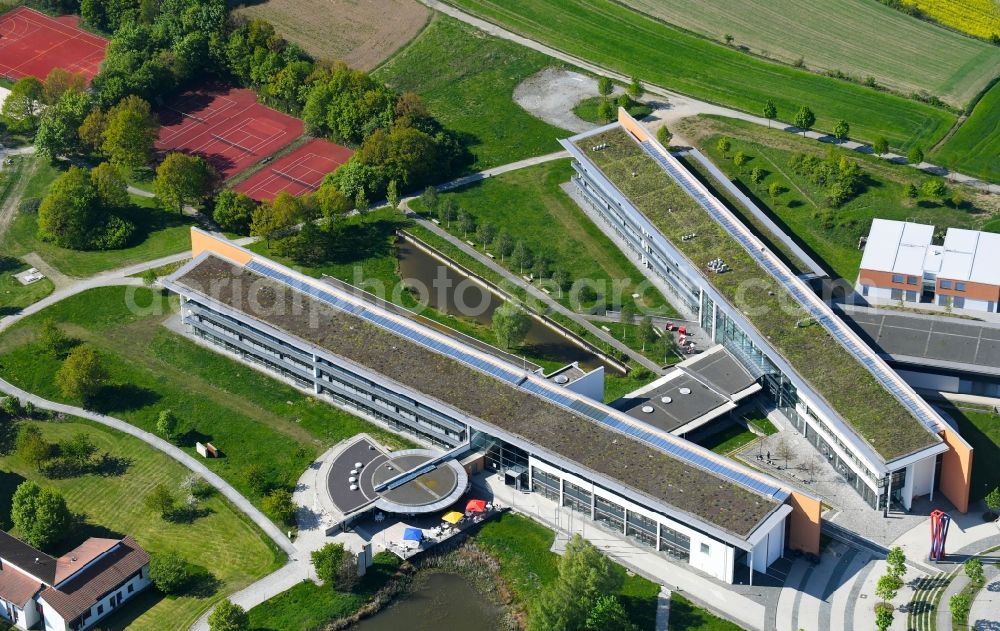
x=681 y=105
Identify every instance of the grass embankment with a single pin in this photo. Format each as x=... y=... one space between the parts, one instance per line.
x=528 y=566
x=625 y=41
x=728 y=439
x=836 y=35
x=310 y=607
x=830 y=234
x=975 y=148
x=532 y=207
x=251 y=418
x=158 y=233
x=981 y=428
x=467 y=80
x=685 y=616
x=222 y=542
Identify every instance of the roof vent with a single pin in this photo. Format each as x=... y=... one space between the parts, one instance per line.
x=37 y=560
x=665 y=399
x=685 y=391
x=648 y=409
x=562 y=379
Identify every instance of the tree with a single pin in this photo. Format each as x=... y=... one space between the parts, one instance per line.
x=880 y=146
x=585 y=575
x=647 y=335
x=911 y=190
x=69 y=215
x=234 y=211
x=182 y=179
x=279 y=506
x=626 y=316
x=466 y=222
x=959 y=606
x=723 y=146
x=130 y=130
x=79 y=449
x=974 y=570
x=935 y=188
x=32 y=447
x=169 y=572
x=40 y=515
x=739 y=159
x=392 y=195
x=993 y=500
x=149 y=277
x=635 y=89
x=604 y=86
x=112 y=191
x=52 y=339
x=887 y=587
x=161 y=501
x=775 y=189
x=59 y=82
x=915 y=155
x=521 y=256
x=503 y=244
x=58 y=129
x=561 y=279
x=485 y=233
x=757 y=175
x=228 y=616
x=333 y=204
x=841 y=130
x=883 y=617
x=783 y=451
x=167 y=424
x=605 y=110
x=361 y=200
x=510 y=325
x=664 y=135
x=770 y=111
x=805 y=119
x=446 y=211
x=623 y=101
x=429 y=198
x=895 y=562
x=326 y=560
x=91 y=131
x=21 y=108
x=82 y=374
x=608 y=613
x=728 y=39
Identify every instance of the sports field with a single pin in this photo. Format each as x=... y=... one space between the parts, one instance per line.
x=364 y=33
x=32 y=43
x=861 y=38
x=226 y=126
x=623 y=40
x=299 y=172
x=975 y=148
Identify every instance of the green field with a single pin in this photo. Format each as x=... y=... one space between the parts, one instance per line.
x=623 y=40
x=222 y=542
x=467 y=79
x=981 y=428
x=684 y=616
x=729 y=438
x=13 y=295
x=158 y=232
x=530 y=204
x=908 y=55
x=831 y=234
x=975 y=148
x=251 y=418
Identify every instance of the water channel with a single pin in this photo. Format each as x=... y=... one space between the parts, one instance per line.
x=439 y=602
x=451 y=292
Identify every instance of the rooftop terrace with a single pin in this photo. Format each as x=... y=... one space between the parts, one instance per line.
x=690 y=489
x=868 y=407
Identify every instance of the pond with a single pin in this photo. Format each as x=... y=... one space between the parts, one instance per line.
x=438 y=602
x=454 y=293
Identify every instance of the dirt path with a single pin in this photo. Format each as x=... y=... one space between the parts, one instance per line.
x=23 y=172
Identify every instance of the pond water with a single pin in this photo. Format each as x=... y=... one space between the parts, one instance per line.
x=451 y=292
x=439 y=602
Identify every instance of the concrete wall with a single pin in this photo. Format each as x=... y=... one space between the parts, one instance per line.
x=919 y=480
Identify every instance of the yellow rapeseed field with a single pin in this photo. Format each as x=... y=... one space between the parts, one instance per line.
x=976 y=17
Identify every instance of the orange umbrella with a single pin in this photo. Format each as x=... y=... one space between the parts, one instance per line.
x=475 y=506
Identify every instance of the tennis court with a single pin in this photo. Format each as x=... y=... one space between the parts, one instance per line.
x=32 y=43
x=299 y=172
x=226 y=126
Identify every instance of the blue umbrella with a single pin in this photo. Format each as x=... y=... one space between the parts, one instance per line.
x=413 y=534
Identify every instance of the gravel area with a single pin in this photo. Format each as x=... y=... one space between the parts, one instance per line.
x=552 y=94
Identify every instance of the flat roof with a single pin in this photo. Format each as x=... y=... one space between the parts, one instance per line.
x=897 y=246
x=906 y=248
x=979 y=253
x=515 y=408
x=859 y=389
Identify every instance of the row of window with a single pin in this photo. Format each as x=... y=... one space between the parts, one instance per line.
x=946 y=284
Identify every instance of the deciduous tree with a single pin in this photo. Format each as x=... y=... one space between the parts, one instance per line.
x=881 y=146
x=167 y=424
x=52 y=339
x=228 y=616
x=510 y=325
x=770 y=111
x=58 y=129
x=723 y=145
x=169 y=572
x=585 y=575
x=129 y=133
x=915 y=155
x=664 y=135
x=22 y=106
x=59 y=82
x=111 y=188
x=635 y=88
x=40 y=515
x=841 y=130
x=182 y=180
x=68 y=215
x=604 y=86
x=161 y=501
x=279 y=506
x=82 y=374
x=32 y=446
x=805 y=119
x=234 y=211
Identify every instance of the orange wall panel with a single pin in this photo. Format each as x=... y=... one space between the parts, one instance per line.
x=973 y=291
x=632 y=126
x=804 y=523
x=956 y=470
x=201 y=241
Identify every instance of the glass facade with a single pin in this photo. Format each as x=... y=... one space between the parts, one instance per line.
x=609 y=514
x=674 y=544
x=545 y=484
x=641 y=528
x=576 y=497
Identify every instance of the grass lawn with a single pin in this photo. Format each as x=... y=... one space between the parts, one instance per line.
x=831 y=234
x=530 y=204
x=253 y=419
x=13 y=295
x=728 y=439
x=223 y=542
x=587 y=110
x=158 y=233
x=620 y=39
x=526 y=563
x=467 y=79
x=981 y=428
x=309 y=607
x=975 y=147
x=685 y=616
x=837 y=35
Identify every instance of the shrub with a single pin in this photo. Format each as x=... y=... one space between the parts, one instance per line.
x=117 y=233
x=335 y=566
x=169 y=572
x=278 y=505
x=228 y=616
x=32 y=447
x=29 y=205
x=161 y=501
x=974 y=570
x=959 y=605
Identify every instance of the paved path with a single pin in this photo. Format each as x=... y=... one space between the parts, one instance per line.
x=985 y=612
x=682 y=106
x=503 y=168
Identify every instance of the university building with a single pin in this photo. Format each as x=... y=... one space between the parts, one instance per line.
x=879 y=435
x=659 y=491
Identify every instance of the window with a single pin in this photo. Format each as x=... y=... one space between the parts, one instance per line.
x=946 y=284
x=100 y=609
x=911 y=280
x=959 y=286
x=130 y=588
x=704 y=548
x=897 y=278
x=896 y=294
x=958 y=302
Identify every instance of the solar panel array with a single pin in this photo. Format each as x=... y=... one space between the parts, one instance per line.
x=675 y=447
x=833 y=325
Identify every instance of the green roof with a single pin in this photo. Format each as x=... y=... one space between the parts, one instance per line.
x=874 y=413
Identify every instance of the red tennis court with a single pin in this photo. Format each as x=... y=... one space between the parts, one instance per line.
x=299 y=172
x=226 y=126
x=32 y=43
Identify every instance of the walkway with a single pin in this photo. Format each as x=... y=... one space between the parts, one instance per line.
x=682 y=106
